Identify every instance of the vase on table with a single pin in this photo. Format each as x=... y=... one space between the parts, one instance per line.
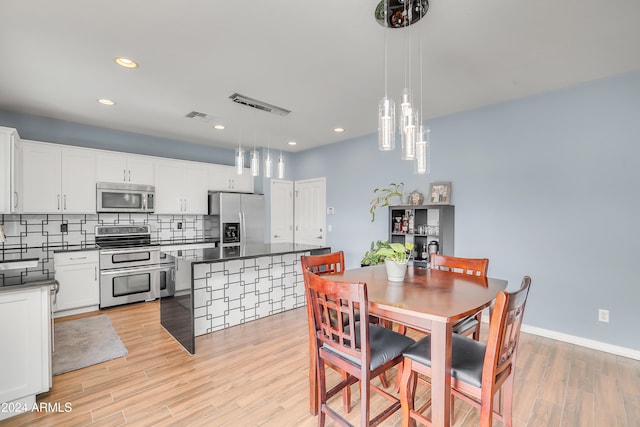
x=395 y=270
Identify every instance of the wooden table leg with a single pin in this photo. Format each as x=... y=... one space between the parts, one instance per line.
x=441 y=374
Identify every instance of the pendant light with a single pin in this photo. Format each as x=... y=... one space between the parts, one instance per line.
x=281 y=166
x=422 y=141
x=267 y=161
x=255 y=155
x=255 y=162
x=408 y=115
x=386 y=107
x=239 y=156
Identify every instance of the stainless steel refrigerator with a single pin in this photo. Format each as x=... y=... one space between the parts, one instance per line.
x=240 y=217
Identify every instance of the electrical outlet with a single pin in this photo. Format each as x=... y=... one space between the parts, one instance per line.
x=179 y=226
x=603 y=315
x=64 y=228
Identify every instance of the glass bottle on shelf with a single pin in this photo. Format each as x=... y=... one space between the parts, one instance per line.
x=411 y=222
x=425 y=254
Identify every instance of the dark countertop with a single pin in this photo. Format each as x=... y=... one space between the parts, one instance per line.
x=242 y=252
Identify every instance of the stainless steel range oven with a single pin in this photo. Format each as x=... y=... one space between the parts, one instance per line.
x=131 y=269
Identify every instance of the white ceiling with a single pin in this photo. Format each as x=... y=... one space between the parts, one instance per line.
x=323 y=60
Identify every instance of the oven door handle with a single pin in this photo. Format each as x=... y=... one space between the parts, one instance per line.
x=132 y=270
x=129 y=251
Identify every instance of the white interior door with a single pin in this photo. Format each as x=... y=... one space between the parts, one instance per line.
x=281 y=211
x=310 y=208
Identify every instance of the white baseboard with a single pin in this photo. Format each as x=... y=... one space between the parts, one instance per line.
x=572 y=339
x=584 y=342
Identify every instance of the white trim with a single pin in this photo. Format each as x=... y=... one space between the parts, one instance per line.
x=572 y=339
x=584 y=342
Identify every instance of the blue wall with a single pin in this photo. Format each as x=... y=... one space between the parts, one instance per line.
x=545 y=186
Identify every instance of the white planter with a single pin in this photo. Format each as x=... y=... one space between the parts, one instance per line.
x=395 y=270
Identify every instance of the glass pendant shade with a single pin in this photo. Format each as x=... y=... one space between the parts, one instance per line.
x=267 y=165
x=386 y=124
x=281 y=167
x=422 y=151
x=405 y=108
x=255 y=163
x=239 y=161
x=408 y=134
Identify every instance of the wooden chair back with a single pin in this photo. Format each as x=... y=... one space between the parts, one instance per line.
x=323 y=264
x=504 y=334
x=341 y=301
x=472 y=266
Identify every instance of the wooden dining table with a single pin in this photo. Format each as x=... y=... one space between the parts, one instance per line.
x=429 y=300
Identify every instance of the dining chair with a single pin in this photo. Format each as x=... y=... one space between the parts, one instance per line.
x=361 y=349
x=478 y=370
x=321 y=265
x=470 y=325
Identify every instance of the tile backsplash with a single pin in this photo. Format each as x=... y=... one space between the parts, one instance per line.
x=38 y=236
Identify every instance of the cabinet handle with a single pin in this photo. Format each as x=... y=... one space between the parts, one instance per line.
x=275 y=236
x=95 y=273
x=78 y=257
x=15 y=204
x=58 y=202
x=65 y=202
x=129 y=175
x=124 y=175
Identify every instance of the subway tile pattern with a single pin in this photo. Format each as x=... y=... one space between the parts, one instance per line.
x=233 y=292
x=38 y=236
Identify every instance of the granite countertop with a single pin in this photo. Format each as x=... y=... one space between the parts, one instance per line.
x=227 y=253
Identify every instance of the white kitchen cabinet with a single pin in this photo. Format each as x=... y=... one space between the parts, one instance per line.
x=124 y=168
x=10 y=171
x=181 y=187
x=78 y=276
x=57 y=179
x=225 y=178
x=25 y=359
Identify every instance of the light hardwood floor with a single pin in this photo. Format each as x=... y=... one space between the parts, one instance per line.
x=256 y=375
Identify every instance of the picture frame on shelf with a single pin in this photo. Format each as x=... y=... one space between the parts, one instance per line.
x=439 y=193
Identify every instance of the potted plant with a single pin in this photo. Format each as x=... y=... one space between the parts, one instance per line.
x=371 y=257
x=396 y=259
x=384 y=196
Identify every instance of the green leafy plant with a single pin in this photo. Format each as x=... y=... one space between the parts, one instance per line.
x=371 y=257
x=398 y=252
x=383 y=197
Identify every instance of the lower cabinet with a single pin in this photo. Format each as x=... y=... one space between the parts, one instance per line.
x=78 y=276
x=25 y=359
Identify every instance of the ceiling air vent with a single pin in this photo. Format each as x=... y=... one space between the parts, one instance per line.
x=260 y=105
x=203 y=117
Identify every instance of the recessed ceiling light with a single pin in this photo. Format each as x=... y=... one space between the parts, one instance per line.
x=126 y=62
x=338 y=130
x=105 y=101
x=219 y=127
x=292 y=143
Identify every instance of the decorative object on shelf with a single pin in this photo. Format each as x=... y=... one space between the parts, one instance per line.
x=396 y=259
x=414 y=135
x=416 y=198
x=371 y=257
x=440 y=193
x=384 y=196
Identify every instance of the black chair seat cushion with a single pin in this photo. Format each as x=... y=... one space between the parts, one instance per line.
x=467 y=357
x=465 y=325
x=384 y=344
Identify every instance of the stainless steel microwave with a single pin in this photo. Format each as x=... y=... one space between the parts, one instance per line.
x=114 y=197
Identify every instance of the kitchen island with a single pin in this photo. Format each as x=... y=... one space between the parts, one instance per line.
x=221 y=287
